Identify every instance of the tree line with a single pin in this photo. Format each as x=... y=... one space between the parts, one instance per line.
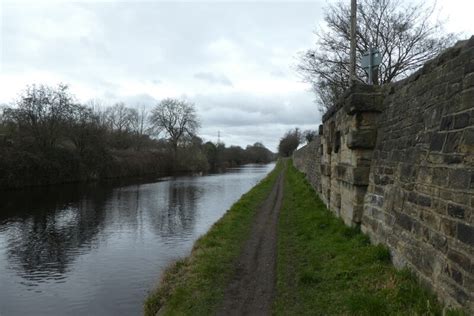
x=46 y=136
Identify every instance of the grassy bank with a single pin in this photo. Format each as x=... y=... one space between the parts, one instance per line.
x=195 y=285
x=327 y=268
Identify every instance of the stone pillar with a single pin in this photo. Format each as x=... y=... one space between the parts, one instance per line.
x=348 y=137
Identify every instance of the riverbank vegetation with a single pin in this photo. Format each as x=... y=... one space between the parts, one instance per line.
x=47 y=137
x=323 y=266
x=195 y=285
x=328 y=268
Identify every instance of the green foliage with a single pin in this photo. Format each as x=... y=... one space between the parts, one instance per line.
x=196 y=284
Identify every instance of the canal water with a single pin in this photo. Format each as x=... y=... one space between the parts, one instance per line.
x=98 y=249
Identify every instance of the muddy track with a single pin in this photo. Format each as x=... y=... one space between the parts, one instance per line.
x=252 y=289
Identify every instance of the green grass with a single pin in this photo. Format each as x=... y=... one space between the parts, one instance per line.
x=327 y=268
x=196 y=284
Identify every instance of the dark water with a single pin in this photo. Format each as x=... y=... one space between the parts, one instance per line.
x=98 y=249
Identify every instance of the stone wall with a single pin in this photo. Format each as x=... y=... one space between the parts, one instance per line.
x=307 y=160
x=399 y=162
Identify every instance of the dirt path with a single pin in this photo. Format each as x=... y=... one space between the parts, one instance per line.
x=252 y=290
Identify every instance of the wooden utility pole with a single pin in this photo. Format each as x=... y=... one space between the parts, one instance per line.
x=353 y=41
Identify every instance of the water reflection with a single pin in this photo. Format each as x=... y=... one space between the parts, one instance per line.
x=98 y=248
x=48 y=228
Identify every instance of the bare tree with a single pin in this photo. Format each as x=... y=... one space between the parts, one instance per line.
x=41 y=113
x=177 y=118
x=121 y=118
x=140 y=125
x=84 y=128
x=405 y=34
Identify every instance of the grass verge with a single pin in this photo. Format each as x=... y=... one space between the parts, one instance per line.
x=327 y=268
x=195 y=285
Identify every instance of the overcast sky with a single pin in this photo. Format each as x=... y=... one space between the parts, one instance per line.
x=234 y=60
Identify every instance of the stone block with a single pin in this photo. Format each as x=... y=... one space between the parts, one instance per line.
x=468 y=140
x=438 y=241
x=453 y=140
x=407 y=172
x=404 y=221
x=456 y=275
x=361 y=175
x=460 y=259
x=468 y=81
x=456 y=211
x=459 y=179
x=461 y=120
x=430 y=219
x=453 y=159
x=424 y=200
x=437 y=141
x=364 y=139
x=363 y=102
x=446 y=123
x=465 y=233
x=448 y=227
x=424 y=175
x=467 y=99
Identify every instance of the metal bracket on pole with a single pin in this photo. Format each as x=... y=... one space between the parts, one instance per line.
x=371 y=60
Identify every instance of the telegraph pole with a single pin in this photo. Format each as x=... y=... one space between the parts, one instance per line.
x=353 y=41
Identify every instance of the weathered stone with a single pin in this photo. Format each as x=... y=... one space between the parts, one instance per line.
x=363 y=102
x=453 y=159
x=453 y=139
x=456 y=211
x=467 y=99
x=460 y=259
x=361 y=138
x=407 y=172
x=468 y=138
x=466 y=234
x=437 y=141
x=440 y=176
x=456 y=275
x=412 y=196
x=448 y=227
x=446 y=123
x=404 y=221
x=361 y=175
x=438 y=241
x=468 y=81
x=424 y=200
x=461 y=120
x=459 y=179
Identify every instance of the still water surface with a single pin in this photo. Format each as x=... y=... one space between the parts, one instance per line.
x=98 y=249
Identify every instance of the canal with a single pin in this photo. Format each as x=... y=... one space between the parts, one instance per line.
x=98 y=249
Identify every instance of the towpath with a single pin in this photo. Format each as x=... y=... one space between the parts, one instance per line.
x=252 y=289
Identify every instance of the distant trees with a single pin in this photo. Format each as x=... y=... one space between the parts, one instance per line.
x=309 y=135
x=405 y=34
x=46 y=136
x=177 y=118
x=220 y=157
x=289 y=142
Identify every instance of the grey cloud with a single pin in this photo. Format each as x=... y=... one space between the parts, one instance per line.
x=110 y=46
x=240 y=109
x=213 y=78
